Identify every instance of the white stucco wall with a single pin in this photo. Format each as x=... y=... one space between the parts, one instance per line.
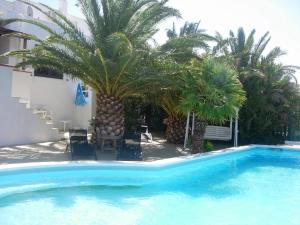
x=17 y=123
x=59 y=96
x=83 y=115
x=55 y=95
x=21 y=83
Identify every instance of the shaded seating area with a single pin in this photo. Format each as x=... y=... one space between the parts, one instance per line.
x=79 y=146
x=127 y=148
x=130 y=149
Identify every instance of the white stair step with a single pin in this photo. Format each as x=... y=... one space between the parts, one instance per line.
x=25 y=101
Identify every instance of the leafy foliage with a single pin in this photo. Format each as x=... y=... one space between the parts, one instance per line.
x=187 y=43
x=206 y=86
x=211 y=90
x=271 y=93
x=180 y=48
x=208 y=146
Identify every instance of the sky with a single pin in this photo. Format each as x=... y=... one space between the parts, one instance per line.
x=280 y=17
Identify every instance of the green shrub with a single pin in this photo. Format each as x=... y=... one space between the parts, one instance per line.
x=208 y=146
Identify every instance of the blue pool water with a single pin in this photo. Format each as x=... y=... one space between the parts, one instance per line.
x=257 y=186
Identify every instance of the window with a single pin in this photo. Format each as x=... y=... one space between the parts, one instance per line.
x=47 y=72
x=29 y=11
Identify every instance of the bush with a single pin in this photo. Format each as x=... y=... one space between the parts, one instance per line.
x=208 y=146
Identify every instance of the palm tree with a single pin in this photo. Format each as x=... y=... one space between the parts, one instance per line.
x=271 y=100
x=107 y=58
x=245 y=54
x=180 y=48
x=269 y=87
x=212 y=91
x=175 y=121
x=188 y=42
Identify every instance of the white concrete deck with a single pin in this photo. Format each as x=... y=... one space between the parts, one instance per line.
x=55 y=152
x=41 y=152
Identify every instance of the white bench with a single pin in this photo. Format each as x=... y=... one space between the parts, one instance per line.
x=218 y=133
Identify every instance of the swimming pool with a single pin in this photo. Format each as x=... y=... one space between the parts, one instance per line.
x=255 y=185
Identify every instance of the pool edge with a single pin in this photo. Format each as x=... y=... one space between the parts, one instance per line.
x=154 y=164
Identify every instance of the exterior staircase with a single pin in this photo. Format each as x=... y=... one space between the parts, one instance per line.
x=48 y=122
x=18 y=122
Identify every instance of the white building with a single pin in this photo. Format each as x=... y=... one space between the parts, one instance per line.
x=34 y=104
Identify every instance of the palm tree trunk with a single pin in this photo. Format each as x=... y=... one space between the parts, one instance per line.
x=175 y=130
x=198 y=136
x=109 y=118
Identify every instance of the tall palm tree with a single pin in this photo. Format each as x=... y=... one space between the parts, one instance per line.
x=181 y=47
x=271 y=101
x=246 y=54
x=269 y=86
x=107 y=58
x=188 y=42
x=175 y=121
x=212 y=91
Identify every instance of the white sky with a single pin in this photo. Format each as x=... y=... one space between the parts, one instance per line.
x=280 y=17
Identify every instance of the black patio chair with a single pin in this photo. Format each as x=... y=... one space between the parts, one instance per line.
x=80 y=148
x=77 y=133
x=131 y=149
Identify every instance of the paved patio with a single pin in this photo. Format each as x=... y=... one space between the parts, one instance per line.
x=55 y=151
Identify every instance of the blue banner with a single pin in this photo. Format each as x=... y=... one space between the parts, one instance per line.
x=80 y=98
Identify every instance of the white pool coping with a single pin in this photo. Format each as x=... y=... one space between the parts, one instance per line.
x=157 y=163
